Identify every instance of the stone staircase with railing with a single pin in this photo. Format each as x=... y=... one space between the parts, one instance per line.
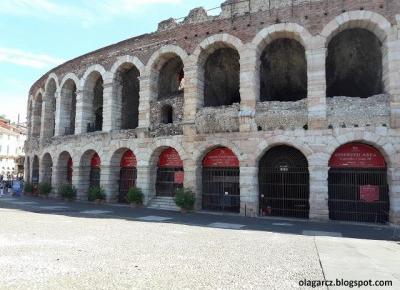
x=163 y=203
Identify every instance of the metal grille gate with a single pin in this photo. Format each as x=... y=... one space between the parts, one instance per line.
x=221 y=189
x=94 y=177
x=344 y=195
x=127 y=180
x=165 y=183
x=284 y=192
x=284 y=183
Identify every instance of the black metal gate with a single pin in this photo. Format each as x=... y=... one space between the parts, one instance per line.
x=165 y=183
x=221 y=189
x=94 y=177
x=345 y=201
x=284 y=183
x=127 y=180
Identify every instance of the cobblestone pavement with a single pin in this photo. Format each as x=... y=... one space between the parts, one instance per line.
x=49 y=244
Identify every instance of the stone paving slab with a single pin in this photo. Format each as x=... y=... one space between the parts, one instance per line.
x=227 y=226
x=153 y=218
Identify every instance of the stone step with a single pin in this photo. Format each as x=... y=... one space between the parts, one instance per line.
x=164 y=203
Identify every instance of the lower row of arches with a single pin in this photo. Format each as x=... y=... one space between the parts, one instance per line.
x=358 y=187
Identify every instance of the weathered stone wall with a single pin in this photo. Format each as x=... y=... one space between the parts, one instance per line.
x=358 y=112
x=281 y=115
x=218 y=119
x=158 y=128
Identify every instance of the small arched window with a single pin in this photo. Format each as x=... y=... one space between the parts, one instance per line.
x=167 y=114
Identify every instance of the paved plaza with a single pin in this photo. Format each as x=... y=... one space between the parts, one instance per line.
x=50 y=244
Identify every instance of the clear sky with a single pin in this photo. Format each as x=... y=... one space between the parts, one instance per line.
x=37 y=35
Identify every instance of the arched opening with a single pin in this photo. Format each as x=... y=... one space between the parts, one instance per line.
x=222 y=78
x=68 y=108
x=94 y=99
x=221 y=188
x=89 y=171
x=95 y=165
x=37 y=116
x=171 y=77
x=170 y=174
x=358 y=186
x=284 y=184
x=35 y=173
x=65 y=168
x=127 y=175
x=167 y=114
x=47 y=169
x=283 y=71
x=354 y=64
x=127 y=89
x=50 y=109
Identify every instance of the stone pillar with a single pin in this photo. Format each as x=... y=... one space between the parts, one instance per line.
x=80 y=179
x=394 y=195
x=144 y=103
x=249 y=191
x=83 y=108
x=60 y=123
x=391 y=68
x=36 y=119
x=146 y=181
x=191 y=180
x=27 y=166
x=319 y=193
x=249 y=88
x=108 y=106
x=108 y=182
x=192 y=97
x=316 y=98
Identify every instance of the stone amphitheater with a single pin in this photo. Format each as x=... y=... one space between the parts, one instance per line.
x=271 y=108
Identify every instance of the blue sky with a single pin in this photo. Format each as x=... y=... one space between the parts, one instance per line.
x=37 y=35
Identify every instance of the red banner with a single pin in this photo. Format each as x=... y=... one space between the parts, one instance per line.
x=128 y=160
x=70 y=163
x=221 y=157
x=179 y=177
x=357 y=155
x=170 y=158
x=95 y=162
x=369 y=193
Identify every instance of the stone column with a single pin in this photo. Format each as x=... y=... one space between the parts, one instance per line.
x=108 y=106
x=391 y=68
x=249 y=191
x=145 y=180
x=319 y=192
x=316 y=98
x=80 y=179
x=144 y=104
x=394 y=195
x=27 y=166
x=249 y=88
x=108 y=182
x=60 y=123
x=192 y=97
x=83 y=108
x=191 y=180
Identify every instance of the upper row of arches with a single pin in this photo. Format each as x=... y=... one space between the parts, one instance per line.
x=354 y=66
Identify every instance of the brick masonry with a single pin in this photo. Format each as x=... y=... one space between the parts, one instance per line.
x=255 y=126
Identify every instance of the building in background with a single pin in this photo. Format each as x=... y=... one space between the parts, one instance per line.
x=12 y=139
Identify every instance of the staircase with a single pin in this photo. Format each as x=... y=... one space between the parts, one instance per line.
x=163 y=203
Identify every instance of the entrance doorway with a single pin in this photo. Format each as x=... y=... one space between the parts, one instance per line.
x=221 y=187
x=95 y=171
x=128 y=175
x=170 y=173
x=358 y=188
x=284 y=183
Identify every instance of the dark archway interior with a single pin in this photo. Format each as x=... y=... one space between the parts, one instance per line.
x=170 y=78
x=284 y=183
x=130 y=98
x=283 y=72
x=167 y=116
x=354 y=64
x=98 y=105
x=222 y=78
